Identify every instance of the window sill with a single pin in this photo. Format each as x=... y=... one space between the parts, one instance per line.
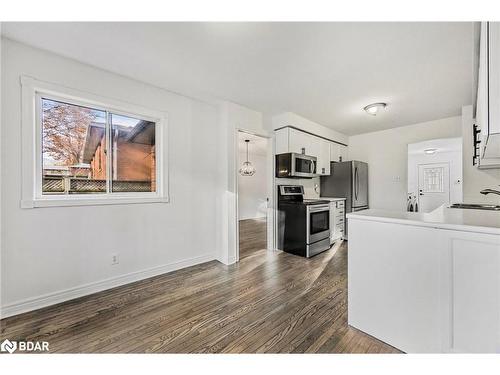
x=94 y=201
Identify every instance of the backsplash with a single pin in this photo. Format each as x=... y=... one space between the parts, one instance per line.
x=311 y=185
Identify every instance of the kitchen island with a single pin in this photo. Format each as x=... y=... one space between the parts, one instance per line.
x=426 y=282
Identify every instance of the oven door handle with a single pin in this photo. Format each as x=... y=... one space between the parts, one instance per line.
x=325 y=208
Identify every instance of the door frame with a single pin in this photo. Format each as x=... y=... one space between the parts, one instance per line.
x=270 y=217
x=447 y=163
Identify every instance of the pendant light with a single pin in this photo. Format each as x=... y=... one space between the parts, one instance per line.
x=247 y=169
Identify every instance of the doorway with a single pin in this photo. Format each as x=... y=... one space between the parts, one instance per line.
x=434 y=174
x=253 y=174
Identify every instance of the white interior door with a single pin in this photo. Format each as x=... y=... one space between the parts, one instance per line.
x=433 y=186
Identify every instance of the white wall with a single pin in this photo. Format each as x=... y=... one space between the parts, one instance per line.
x=449 y=151
x=252 y=190
x=231 y=118
x=386 y=154
x=476 y=179
x=63 y=252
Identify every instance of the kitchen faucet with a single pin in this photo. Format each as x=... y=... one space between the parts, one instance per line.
x=490 y=191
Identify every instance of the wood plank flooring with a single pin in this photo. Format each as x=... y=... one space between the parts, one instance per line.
x=253 y=236
x=266 y=303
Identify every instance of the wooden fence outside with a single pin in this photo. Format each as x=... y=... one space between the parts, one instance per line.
x=78 y=185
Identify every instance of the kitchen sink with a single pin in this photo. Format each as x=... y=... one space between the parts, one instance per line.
x=490 y=207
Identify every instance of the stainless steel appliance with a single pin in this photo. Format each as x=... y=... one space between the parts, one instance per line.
x=348 y=179
x=303 y=225
x=293 y=164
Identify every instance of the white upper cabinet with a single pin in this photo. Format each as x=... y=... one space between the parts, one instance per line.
x=281 y=141
x=488 y=95
x=300 y=143
x=293 y=140
x=338 y=152
x=324 y=157
x=334 y=152
x=343 y=153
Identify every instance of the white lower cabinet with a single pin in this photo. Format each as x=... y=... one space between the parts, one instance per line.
x=337 y=220
x=475 y=272
x=425 y=290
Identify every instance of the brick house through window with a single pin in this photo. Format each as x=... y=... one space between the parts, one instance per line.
x=133 y=155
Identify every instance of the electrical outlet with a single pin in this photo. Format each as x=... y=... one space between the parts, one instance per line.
x=115 y=259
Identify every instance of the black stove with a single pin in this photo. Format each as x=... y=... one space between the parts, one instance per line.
x=303 y=224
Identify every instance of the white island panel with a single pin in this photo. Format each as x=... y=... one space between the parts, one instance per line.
x=424 y=289
x=393 y=284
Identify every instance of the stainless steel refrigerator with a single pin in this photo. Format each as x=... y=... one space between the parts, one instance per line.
x=348 y=179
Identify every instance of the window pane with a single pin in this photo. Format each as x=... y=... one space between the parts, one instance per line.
x=73 y=149
x=433 y=180
x=134 y=164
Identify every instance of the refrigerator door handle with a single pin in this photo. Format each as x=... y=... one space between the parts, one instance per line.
x=356 y=183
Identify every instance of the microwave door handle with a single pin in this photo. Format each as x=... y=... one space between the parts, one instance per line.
x=312 y=166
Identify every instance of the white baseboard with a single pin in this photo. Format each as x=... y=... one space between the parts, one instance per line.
x=49 y=299
x=226 y=260
x=252 y=218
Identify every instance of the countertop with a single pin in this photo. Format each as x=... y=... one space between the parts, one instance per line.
x=332 y=199
x=480 y=221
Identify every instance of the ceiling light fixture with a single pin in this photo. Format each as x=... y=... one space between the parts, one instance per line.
x=372 y=109
x=247 y=169
x=430 y=151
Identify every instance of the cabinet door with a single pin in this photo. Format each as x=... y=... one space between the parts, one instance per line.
x=324 y=158
x=298 y=142
x=314 y=146
x=475 y=270
x=494 y=77
x=343 y=153
x=482 y=86
x=488 y=95
x=281 y=141
x=334 y=152
x=336 y=229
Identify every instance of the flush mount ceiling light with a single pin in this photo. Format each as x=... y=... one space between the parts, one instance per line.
x=247 y=169
x=430 y=151
x=372 y=109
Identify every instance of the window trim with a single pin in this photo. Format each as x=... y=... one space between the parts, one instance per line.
x=32 y=90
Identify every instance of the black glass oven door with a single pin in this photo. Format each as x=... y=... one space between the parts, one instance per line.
x=319 y=222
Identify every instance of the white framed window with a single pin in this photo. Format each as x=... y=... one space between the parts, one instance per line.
x=83 y=149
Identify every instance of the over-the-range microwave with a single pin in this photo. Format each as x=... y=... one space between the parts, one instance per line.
x=293 y=164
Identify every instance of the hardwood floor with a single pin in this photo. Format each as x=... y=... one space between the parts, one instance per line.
x=253 y=236
x=266 y=303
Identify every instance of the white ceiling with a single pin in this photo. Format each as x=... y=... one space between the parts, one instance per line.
x=325 y=72
x=441 y=145
x=256 y=146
